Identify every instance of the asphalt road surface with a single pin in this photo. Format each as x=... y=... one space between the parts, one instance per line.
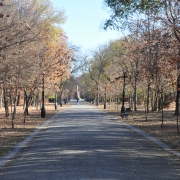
x=83 y=143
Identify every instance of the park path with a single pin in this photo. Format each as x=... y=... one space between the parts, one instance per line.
x=83 y=143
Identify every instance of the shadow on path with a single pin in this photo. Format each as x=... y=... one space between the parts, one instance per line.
x=84 y=143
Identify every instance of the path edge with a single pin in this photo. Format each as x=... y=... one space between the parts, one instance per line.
x=20 y=145
x=147 y=136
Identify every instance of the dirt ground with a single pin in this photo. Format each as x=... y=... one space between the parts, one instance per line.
x=167 y=133
x=9 y=136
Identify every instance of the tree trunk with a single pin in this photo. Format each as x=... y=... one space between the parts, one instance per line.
x=26 y=101
x=154 y=101
x=162 y=102
x=1 y=100
x=37 y=101
x=177 y=110
x=97 y=100
x=135 y=95
x=178 y=103
x=145 y=104
x=15 y=105
x=130 y=100
x=60 y=99
x=18 y=99
x=6 y=103
x=34 y=101
x=148 y=98
x=14 y=111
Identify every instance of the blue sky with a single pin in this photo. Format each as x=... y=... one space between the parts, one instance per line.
x=83 y=24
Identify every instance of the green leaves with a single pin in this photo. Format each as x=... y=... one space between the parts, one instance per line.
x=122 y=10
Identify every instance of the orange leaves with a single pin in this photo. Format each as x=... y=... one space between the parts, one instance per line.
x=58 y=62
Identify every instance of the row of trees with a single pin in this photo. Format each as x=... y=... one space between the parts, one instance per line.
x=31 y=42
x=150 y=54
x=154 y=37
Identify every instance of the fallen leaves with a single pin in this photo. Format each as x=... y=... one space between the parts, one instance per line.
x=167 y=133
x=10 y=137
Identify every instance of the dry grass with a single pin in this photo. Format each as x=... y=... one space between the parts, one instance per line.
x=167 y=133
x=9 y=136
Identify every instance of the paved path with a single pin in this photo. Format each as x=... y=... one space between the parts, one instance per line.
x=83 y=143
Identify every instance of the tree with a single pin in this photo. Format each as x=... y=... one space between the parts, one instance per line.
x=31 y=41
x=97 y=66
x=123 y=10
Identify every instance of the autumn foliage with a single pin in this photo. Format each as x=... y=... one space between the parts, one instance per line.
x=149 y=52
x=31 y=41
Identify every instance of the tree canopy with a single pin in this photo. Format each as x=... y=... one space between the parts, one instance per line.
x=122 y=10
x=31 y=42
